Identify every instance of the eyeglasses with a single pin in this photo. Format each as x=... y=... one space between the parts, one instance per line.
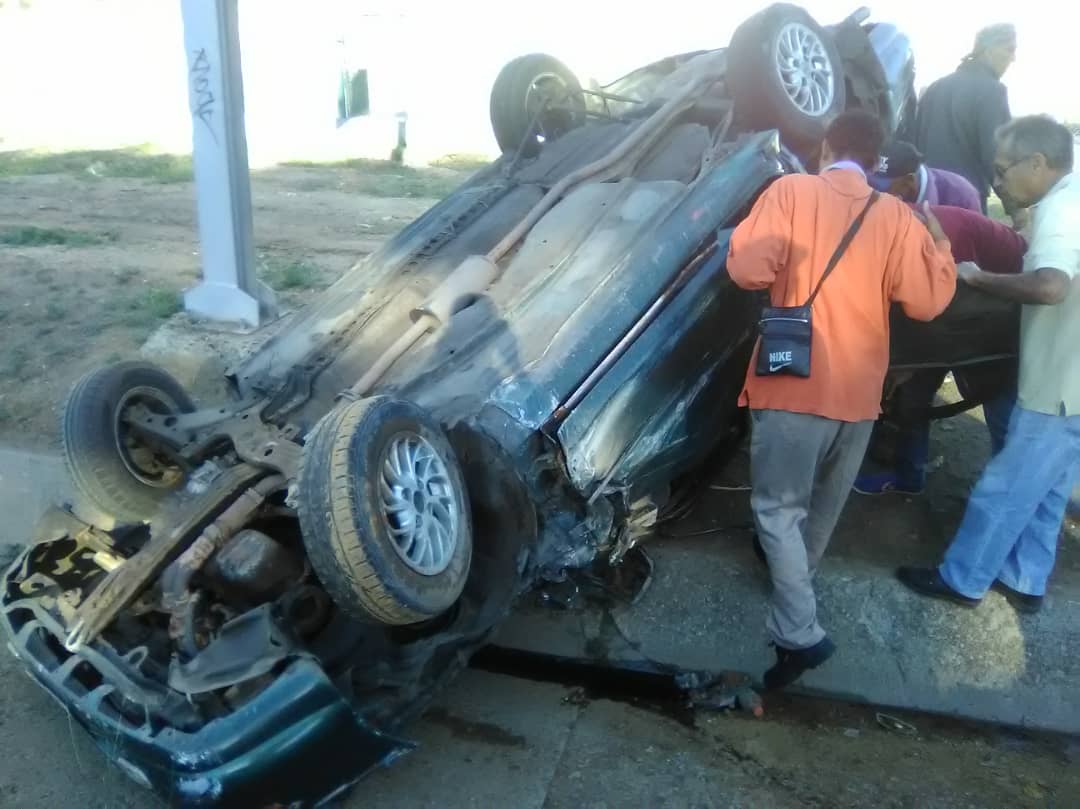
x=1001 y=171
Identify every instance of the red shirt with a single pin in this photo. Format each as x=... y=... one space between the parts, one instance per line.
x=993 y=246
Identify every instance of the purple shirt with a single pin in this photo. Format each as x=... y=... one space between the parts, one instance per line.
x=946 y=188
x=845 y=164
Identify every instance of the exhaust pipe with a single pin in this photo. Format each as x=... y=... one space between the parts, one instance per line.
x=476 y=273
x=463 y=286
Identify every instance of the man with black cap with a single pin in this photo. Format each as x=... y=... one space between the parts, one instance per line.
x=958 y=114
x=902 y=173
x=974 y=237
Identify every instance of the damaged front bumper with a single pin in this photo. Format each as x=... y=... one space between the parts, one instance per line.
x=297 y=742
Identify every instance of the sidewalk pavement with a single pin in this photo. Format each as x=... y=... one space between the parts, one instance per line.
x=705 y=609
x=29 y=482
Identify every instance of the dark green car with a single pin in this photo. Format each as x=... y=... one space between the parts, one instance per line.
x=248 y=601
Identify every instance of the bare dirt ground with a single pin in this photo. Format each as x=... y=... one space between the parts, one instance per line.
x=91 y=264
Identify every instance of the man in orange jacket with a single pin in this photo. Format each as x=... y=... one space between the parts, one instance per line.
x=810 y=432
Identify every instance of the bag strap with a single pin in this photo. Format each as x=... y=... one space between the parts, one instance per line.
x=843 y=246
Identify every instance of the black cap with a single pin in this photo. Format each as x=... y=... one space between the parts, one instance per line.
x=897 y=159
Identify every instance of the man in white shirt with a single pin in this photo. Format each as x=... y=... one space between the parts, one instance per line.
x=1009 y=534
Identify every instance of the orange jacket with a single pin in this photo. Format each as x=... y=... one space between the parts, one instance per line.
x=784 y=245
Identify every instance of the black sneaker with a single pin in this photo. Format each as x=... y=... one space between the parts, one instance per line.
x=886 y=483
x=927 y=581
x=1021 y=602
x=791 y=663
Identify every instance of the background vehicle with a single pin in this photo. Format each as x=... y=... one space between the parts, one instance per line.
x=247 y=600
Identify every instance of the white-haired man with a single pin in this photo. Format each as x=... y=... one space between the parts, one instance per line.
x=1009 y=535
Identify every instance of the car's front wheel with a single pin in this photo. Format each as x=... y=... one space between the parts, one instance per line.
x=384 y=512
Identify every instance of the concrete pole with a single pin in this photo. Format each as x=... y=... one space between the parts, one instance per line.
x=229 y=292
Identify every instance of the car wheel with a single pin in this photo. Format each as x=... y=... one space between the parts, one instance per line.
x=785 y=73
x=535 y=99
x=116 y=476
x=384 y=512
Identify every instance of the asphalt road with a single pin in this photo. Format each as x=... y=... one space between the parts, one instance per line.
x=494 y=740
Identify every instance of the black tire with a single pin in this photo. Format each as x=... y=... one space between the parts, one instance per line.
x=347 y=529
x=518 y=90
x=761 y=101
x=107 y=490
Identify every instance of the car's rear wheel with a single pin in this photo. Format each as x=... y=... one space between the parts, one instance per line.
x=535 y=99
x=786 y=73
x=384 y=512
x=118 y=477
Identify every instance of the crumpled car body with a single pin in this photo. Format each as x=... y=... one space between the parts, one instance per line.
x=597 y=373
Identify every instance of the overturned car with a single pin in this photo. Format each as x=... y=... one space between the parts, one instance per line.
x=247 y=602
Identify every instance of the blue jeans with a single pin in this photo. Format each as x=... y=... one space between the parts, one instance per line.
x=1013 y=519
x=913 y=443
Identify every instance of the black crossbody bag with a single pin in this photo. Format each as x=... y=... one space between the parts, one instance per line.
x=786 y=330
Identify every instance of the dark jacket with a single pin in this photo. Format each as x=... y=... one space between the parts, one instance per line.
x=957 y=116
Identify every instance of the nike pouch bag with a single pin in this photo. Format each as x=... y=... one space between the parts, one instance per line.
x=786 y=331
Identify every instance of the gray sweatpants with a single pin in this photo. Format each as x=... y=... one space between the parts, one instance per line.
x=802 y=468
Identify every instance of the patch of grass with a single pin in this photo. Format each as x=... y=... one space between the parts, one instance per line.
x=135 y=161
x=419 y=185
x=32 y=236
x=385 y=178
x=161 y=303
x=462 y=162
x=380 y=167
x=284 y=275
x=145 y=309
x=298 y=276
x=995 y=210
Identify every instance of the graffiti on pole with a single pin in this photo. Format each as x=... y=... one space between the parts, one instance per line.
x=202 y=97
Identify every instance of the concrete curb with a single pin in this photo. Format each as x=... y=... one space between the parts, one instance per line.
x=705 y=610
